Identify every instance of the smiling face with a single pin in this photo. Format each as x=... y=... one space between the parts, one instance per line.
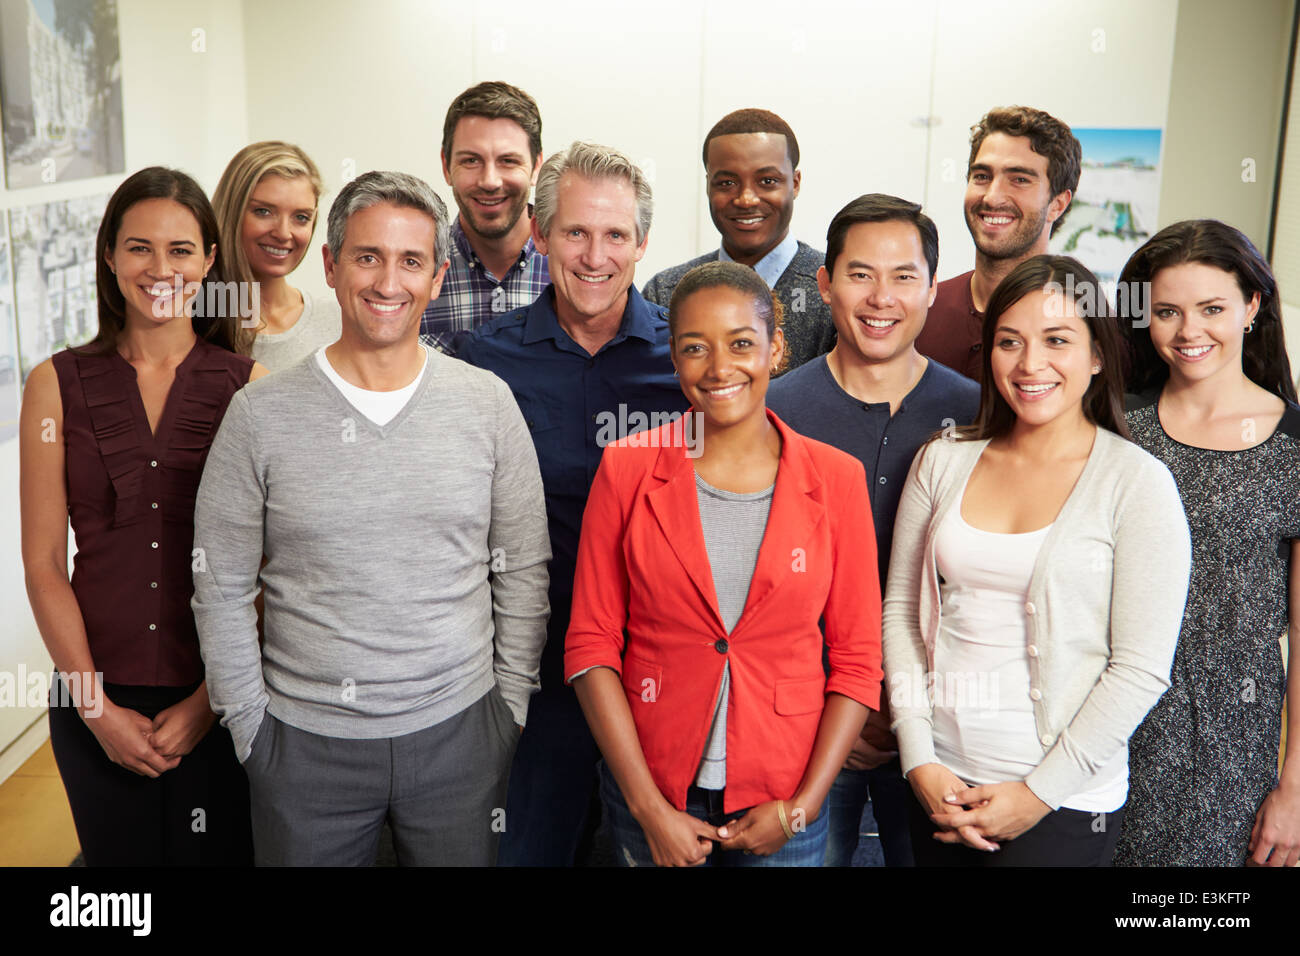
x=490 y=172
x=385 y=274
x=880 y=292
x=723 y=355
x=592 y=247
x=1042 y=358
x=1009 y=204
x=1198 y=319
x=752 y=188
x=158 y=240
x=277 y=225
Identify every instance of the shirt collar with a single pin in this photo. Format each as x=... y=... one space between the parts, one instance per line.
x=542 y=322
x=773 y=265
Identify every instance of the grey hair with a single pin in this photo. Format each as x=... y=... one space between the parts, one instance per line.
x=591 y=161
x=400 y=189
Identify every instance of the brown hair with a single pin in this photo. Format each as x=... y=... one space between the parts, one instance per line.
x=495 y=100
x=1214 y=243
x=1103 y=402
x=1047 y=136
x=157 y=182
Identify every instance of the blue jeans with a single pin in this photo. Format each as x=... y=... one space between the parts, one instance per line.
x=888 y=791
x=808 y=847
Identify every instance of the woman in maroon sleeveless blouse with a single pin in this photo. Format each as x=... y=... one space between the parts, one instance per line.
x=114 y=436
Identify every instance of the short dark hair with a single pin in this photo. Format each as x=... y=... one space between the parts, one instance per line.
x=158 y=182
x=1047 y=136
x=495 y=100
x=730 y=275
x=1103 y=402
x=1213 y=243
x=878 y=207
x=398 y=189
x=754 y=121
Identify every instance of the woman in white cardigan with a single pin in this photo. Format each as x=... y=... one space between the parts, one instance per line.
x=1036 y=589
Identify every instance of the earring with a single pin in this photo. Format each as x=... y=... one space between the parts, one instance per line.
x=1096 y=369
x=1250 y=328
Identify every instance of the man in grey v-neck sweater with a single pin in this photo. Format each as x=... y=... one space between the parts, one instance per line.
x=405 y=601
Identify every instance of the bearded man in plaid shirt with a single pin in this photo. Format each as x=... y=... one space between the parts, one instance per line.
x=491 y=153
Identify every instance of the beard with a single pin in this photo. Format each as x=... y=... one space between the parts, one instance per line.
x=493 y=229
x=1013 y=245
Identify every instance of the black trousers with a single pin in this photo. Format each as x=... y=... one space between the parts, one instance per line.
x=194 y=815
x=1062 y=838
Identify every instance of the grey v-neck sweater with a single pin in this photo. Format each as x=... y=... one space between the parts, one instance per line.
x=406 y=565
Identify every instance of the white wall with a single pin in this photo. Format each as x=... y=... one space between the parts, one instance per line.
x=182 y=108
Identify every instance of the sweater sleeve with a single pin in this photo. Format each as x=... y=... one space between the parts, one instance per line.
x=228 y=542
x=1152 y=567
x=600 y=586
x=519 y=542
x=852 y=611
x=906 y=660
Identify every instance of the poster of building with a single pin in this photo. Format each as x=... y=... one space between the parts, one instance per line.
x=1116 y=205
x=53 y=251
x=60 y=90
x=8 y=346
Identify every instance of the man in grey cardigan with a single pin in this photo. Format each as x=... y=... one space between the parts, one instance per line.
x=751 y=159
x=395 y=495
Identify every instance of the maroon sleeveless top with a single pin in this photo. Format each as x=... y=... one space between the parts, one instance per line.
x=131 y=502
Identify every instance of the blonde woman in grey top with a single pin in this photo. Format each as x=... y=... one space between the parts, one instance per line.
x=266 y=206
x=1096 y=554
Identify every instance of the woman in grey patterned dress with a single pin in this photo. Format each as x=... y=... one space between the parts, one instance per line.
x=1218 y=407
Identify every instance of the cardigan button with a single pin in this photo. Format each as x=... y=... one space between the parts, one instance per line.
x=1035 y=694
x=1029 y=608
x=720 y=645
x=1046 y=740
x=1032 y=650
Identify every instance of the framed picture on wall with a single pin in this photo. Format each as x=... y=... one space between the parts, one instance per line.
x=60 y=90
x=53 y=246
x=1116 y=207
x=8 y=345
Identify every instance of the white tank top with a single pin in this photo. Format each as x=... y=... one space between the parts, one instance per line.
x=984 y=728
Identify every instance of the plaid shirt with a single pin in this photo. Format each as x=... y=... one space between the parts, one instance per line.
x=471 y=295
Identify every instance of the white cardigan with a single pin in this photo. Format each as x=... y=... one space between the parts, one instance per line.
x=1104 y=609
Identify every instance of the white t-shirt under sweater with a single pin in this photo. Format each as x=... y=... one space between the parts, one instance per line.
x=983 y=714
x=380 y=407
x=321 y=323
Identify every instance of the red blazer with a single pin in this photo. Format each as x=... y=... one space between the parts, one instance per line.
x=643 y=570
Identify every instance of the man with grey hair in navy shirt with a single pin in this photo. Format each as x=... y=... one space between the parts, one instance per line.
x=588 y=363
x=875 y=397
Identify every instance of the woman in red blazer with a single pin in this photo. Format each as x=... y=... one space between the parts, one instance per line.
x=708 y=556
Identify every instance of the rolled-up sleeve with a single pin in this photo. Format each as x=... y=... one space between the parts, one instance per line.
x=600 y=590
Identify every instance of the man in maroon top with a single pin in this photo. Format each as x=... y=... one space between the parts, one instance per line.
x=1020 y=178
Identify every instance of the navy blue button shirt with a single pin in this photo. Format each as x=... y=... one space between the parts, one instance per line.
x=810 y=401
x=575 y=403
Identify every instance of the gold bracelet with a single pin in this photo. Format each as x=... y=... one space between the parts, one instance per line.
x=785 y=824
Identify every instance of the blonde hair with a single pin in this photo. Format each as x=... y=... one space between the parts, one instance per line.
x=230 y=201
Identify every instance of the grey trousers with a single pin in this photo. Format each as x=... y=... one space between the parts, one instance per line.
x=321 y=801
